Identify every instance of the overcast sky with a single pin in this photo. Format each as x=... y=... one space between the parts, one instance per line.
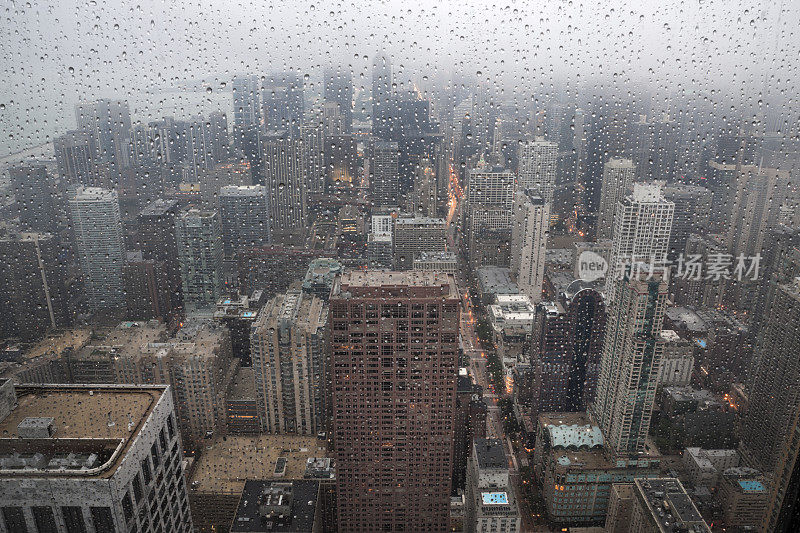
x=56 y=53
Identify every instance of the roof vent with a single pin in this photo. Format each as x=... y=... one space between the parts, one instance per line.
x=36 y=428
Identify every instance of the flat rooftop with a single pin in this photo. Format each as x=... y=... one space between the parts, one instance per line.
x=669 y=505
x=361 y=283
x=490 y=453
x=81 y=414
x=222 y=469
x=299 y=502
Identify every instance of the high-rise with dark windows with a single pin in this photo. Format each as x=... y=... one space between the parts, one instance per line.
x=394 y=355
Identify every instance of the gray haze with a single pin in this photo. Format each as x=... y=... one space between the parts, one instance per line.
x=57 y=53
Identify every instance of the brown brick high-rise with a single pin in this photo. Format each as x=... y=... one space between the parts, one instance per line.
x=394 y=361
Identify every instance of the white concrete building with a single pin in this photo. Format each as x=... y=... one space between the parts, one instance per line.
x=98 y=238
x=491 y=504
x=618 y=176
x=538 y=162
x=642 y=226
x=678 y=362
x=529 y=243
x=94 y=459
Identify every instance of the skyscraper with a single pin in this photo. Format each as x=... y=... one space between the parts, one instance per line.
x=394 y=353
x=489 y=204
x=773 y=392
x=246 y=108
x=244 y=217
x=756 y=196
x=538 y=162
x=381 y=96
x=114 y=445
x=108 y=122
x=282 y=161
x=783 y=507
x=692 y=214
x=425 y=197
x=566 y=348
x=287 y=348
x=198 y=237
x=156 y=229
x=34 y=192
x=618 y=176
x=529 y=232
x=339 y=89
x=76 y=157
x=282 y=103
x=632 y=353
x=98 y=239
x=384 y=174
x=33 y=297
x=641 y=230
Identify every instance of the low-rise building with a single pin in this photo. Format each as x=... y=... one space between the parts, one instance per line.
x=437 y=261
x=512 y=317
x=742 y=498
x=662 y=505
x=704 y=467
x=490 y=500
x=575 y=471
x=677 y=363
x=278 y=507
x=494 y=280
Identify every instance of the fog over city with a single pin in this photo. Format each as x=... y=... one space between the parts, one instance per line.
x=56 y=54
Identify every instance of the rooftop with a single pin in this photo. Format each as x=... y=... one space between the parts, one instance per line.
x=669 y=505
x=363 y=283
x=221 y=469
x=490 y=453
x=282 y=507
x=159 y=207
x=86 y=419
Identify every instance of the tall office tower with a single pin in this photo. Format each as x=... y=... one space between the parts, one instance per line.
x=757 y=196
x=382 y=99
x=566 y=347
x=107 y=121
x=330 y=117
x=393 y=430
x=153 y=143
x=246 y=107
x=204 y=141
x=780 y=263
x=33 y=297
x=489 y=204
x=147 y=290
x=425 y=198
x=618 y=176
x=198 y=236
x=339 y=89
x=538 y=162
x=692 y=213
x=529 y=231
x=34 y=193
x=313 y=139
x=244 y=217
x=783 y=507
x=76 y=157
x=113 y=446
x=490 y=500
x=772 y=384
x=282 y=103
x=156 y=229
x=642 y=226
x=632 y=352
x=282 y=160
x=98 y=239
x=287 y=346
x=661 y=505
x=414 y=235
x=384 y=175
